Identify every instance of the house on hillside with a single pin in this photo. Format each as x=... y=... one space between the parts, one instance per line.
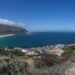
x=57 y=51
x=60 y=45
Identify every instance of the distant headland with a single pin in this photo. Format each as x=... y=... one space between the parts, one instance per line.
x=7 y=30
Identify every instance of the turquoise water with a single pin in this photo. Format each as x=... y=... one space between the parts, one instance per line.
x=38 y=39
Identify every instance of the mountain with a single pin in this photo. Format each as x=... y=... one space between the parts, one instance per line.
x=7 y=29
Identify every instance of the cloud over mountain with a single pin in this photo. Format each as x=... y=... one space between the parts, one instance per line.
x=11 y=27
x=11 y=23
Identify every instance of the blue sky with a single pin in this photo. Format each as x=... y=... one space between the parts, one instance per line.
x=40 y=15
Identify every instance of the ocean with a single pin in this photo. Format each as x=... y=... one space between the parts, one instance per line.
x=38 y=39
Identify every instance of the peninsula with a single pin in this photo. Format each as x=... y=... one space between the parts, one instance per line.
x=7 y=30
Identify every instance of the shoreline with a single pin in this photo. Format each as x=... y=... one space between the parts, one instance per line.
x=6 y=35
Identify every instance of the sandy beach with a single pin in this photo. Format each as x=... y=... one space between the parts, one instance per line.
x=6 y=35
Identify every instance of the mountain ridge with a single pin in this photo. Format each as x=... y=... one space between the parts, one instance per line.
x=8 y=29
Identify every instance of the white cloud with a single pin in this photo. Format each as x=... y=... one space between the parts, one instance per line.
x=11 y=23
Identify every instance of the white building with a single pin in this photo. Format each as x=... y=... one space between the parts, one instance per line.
x=22 y=50
x=31 y=53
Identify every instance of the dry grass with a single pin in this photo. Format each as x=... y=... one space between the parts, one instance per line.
x=27 y=66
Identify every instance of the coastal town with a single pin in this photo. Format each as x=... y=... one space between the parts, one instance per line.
x=50 y=50
x=55 y=50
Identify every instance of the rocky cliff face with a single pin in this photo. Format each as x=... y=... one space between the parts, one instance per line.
x=6 y=29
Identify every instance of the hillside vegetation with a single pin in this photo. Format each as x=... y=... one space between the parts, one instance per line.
x=16 y=63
